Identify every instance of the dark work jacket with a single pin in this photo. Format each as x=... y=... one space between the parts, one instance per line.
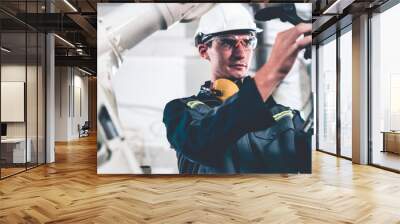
x=241 y=135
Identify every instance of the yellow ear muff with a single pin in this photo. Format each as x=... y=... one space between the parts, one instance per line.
x=226 y=87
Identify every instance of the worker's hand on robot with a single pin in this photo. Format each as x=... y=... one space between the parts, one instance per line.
x=286 y=47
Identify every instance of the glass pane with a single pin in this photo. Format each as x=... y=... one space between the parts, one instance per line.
x=41 y=98
x=346 y=94
x=385 y=86
x=31 y=97
x=327 y=97
x=13 y=87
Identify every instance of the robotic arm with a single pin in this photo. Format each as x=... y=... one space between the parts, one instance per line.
x=120 y=30
x=138 y=21
x=286 y=13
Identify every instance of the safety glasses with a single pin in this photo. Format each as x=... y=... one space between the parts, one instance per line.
x=230 y=42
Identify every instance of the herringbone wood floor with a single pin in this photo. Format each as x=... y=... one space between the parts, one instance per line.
x=70 y=191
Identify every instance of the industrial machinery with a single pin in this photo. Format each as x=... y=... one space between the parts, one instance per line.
x=114 y=38
x=286 y=12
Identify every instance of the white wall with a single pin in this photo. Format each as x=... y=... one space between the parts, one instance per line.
x=61 y=103
x=33 y=126
x=15 y=72
x=70 y=83
x=12 y=73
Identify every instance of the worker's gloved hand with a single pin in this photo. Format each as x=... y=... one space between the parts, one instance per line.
x=284 y=52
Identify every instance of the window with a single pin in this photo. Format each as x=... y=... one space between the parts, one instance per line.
x=22 y=77
x=327 y=96
x=385 y=89
x=346 y=92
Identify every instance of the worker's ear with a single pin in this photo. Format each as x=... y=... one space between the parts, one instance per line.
x=203 y=51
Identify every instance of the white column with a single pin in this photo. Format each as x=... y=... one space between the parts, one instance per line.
x=314 y=91
x=360 y=90
x=50 y=92
x=50 y=99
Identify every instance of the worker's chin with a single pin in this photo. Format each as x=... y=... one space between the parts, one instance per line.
x=238 y=73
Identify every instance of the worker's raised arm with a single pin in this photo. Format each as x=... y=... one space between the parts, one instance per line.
x=204 y=135
x=284 y=52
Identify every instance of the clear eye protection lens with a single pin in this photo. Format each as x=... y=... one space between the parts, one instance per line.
x=229 y=43
x=252 y=42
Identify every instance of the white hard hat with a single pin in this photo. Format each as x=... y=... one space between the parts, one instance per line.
x=224 y=18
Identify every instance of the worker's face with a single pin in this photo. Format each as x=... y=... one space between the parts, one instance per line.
x=229 y=55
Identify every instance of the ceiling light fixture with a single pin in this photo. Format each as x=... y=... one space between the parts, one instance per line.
x=84 y=71
x=70 y=5
x=64 y=40
x=79 y=51
x=5 y=50
x=331 y=7
x=337 y=7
